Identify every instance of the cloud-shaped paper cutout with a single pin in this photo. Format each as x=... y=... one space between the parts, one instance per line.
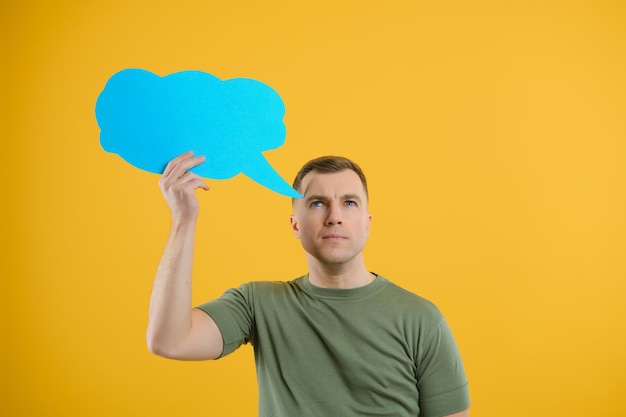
x=148 y=120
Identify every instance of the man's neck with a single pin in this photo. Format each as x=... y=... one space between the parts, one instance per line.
x=343 y=276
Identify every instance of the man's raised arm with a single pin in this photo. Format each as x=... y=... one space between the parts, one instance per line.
x=175 y=330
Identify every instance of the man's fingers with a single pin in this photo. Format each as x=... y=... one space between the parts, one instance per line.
x=193 y=180
x=177 y=172
x=174 y=162
x=187 y=182
x=177 y=166
x=186 y=164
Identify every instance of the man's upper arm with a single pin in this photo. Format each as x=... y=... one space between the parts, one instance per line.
x=207 y=337
x=204 y=340
x=464 y=413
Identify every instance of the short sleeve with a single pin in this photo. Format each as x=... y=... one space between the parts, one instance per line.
x=441 y=380
x=233 y=315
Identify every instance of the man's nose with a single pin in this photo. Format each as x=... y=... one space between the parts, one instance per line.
x=334 y=215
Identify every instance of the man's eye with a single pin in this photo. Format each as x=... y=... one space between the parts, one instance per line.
x=350 y=203
x=317 y=204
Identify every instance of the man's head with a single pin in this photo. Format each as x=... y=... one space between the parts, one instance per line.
x=332 y=219
x=327 y=165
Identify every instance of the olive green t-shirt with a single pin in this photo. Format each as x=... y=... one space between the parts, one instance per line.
x=377 y=350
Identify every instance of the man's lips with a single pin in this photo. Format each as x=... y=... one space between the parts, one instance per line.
x=333 y=236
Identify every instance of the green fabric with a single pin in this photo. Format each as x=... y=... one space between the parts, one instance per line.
x=376 y=350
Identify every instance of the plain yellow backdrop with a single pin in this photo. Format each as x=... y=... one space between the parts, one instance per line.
x=492 y=134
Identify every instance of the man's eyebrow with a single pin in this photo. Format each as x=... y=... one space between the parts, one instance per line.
x=351 y=197
x=315 y=197
x=324 y=198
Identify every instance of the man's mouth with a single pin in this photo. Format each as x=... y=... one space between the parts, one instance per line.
x=333 y=236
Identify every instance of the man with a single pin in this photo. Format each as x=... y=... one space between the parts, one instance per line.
x=338 y=342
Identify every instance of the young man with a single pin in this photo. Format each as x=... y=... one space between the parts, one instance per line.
x=339 y=341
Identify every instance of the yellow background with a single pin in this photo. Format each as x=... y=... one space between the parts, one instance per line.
x=492 y=134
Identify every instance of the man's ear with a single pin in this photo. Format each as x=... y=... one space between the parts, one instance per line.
x=294 y=226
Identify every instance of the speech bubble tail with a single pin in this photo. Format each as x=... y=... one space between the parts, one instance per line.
x=262 y=172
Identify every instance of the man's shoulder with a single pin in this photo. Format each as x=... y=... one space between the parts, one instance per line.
x=405 y=298
x=262 y=287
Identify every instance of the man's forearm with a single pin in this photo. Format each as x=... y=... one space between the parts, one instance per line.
x=170 y=304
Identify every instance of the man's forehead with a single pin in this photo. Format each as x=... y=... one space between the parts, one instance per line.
x=343 y=182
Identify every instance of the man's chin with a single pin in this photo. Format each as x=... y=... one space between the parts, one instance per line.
x=334 y=259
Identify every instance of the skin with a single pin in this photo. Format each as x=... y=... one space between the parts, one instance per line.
x=175 y=330
x=331 y=222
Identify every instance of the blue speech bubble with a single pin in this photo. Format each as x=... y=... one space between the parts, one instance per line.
x=148 y=120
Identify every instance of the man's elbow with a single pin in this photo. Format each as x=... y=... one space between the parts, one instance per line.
x=159 y=348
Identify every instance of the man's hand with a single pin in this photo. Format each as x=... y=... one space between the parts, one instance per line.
x=178 y=186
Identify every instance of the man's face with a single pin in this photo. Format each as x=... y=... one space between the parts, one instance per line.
x=331 y=220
